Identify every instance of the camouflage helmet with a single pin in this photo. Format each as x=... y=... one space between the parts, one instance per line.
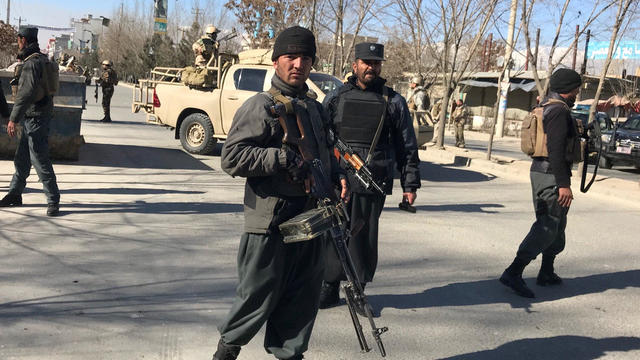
x=107 y=62
x=210 y=29
x=417 y=80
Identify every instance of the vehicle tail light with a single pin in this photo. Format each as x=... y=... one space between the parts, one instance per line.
x=156 y=101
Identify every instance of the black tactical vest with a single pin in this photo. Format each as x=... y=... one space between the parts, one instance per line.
x=358 y=115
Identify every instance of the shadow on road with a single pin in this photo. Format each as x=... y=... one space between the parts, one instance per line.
x=468 y=208
x=492 y=292
x=143 y=207
x=137 y=157
x=555 y=348
x=174 y=300
x=129 y=191
x=450 y=173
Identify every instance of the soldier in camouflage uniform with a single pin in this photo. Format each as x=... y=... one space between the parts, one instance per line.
x=206 y=47
x=459 y=119
x=436 y=109
x=107 y=80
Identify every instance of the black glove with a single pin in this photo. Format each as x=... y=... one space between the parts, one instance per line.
x=297 y=168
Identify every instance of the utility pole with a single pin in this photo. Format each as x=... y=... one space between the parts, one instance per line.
x=196 y=12
x=535 y=56
x=575 y=48
x=20 y=20
x=489 y=52
x=583 y=68
x=503 y=85
x=8 y=11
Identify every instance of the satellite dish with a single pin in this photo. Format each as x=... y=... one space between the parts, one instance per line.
x=500 y=61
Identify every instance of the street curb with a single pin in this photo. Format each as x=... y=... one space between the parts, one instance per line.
x=626 y=191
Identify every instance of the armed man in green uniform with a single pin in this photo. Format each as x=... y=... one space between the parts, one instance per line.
x=33 y=107
x=279 y=283
x=108 y=79
x=459 y=119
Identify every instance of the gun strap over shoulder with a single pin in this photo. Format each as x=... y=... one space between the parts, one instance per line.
x=278 y=97
x=376 y=137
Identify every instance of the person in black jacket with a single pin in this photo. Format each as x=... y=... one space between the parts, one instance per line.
x=362 y=110
x=279 y=283
x=36 y=107
x=551 y=187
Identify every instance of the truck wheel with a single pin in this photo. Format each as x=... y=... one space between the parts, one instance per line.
x=196 y=134
x=605 y=163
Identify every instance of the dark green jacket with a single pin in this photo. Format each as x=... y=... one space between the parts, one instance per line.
x=25 y=104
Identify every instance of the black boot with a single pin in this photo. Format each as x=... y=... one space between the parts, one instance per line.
x=53 y=210
x=547 y=276
x=512 y=277
x=11 y=200
x=107 y=117
x=226 y=352
x=329 y=294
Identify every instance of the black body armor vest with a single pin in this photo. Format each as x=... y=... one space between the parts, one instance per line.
x=358 y=116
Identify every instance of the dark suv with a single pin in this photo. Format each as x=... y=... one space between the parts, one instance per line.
x=625 y=148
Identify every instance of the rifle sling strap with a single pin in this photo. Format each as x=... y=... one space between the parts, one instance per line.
x=279 y=98
x=376 y=137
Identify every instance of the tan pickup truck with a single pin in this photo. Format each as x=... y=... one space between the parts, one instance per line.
x=201 y=116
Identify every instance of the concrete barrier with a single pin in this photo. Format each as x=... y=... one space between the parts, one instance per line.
x=64 y=137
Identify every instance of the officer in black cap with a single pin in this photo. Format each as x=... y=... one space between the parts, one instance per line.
x=33 y=107
x=550 y=175
x=279 y=283
x=376 y=122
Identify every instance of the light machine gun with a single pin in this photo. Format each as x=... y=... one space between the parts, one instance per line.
x=333 y=218
x=592 y=130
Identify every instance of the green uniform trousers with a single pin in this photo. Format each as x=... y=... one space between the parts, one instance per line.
x=459 y=134
x=107 y=94
x=547 y=232
x=33 y=149
x=279 y=284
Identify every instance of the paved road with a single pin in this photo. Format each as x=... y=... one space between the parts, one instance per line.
x=142 y=264
x=510 y=147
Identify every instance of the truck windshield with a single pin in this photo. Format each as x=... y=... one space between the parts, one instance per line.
x=325 y=82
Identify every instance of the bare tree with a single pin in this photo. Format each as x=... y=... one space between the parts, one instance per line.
x=453 y=30
x=412 y=20
x=598 y=8
x=342 y=18
x=623 y=9
x=8 y=44
x=263 y=19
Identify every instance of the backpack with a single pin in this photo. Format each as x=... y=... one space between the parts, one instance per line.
x=533 y=140
x=50 y=76
x=197 y=77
